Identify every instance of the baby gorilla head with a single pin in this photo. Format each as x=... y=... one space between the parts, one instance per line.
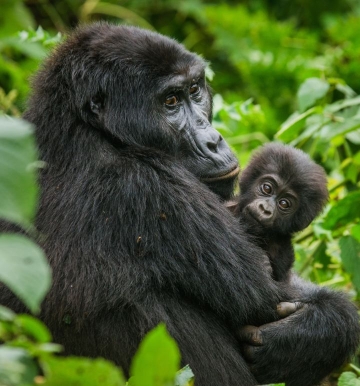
x=282 y=190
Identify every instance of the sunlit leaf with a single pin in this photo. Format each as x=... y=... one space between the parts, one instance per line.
x=348 y=379
x=34 y=328
x=73 y=371
x=156 y=361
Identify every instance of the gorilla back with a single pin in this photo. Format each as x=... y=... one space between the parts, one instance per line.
x=132 y=231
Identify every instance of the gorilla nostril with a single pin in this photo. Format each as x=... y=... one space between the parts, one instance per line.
x=264 y=210
x=214 y=143
x=212 y=146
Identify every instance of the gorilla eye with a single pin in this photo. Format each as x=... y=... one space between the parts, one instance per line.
x=171 y=100
x=194 y=89
x=266 y=188
x=284 y=204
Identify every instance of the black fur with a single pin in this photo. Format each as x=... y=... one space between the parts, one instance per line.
x=293 y=177
x=135 y=238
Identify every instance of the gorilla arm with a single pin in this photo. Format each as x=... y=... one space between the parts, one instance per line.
x=318 y=318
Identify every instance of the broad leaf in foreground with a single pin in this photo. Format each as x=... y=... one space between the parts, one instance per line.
x=24 y=269
x=18 y=157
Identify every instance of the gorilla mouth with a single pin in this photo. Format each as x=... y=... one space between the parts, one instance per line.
x=224 y=176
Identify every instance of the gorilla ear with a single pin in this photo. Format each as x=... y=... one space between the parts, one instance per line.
x=97 y=104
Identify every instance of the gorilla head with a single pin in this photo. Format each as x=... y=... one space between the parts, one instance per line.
x=155 y=96
x=282 y=190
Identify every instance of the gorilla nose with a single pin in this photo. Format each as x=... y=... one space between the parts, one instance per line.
x=213 y=144
x=265 y=209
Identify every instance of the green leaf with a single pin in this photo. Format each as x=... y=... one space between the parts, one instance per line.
x=34 y=328
x=348 y=379
x=355 y=232
x=73 y=371
x=24 y=269
x=184 y=377
x=6 y=314
x=18 y=187
x=291 y=128
x=16 y=367
x=310 y=91
x=340 y=128
x=342 y=104
x=156 y=361
x=344 y=211
x=350 y=256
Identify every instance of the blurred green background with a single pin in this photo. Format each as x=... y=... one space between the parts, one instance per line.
x=285 y=70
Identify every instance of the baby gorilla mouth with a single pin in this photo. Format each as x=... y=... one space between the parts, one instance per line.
x=224 y=176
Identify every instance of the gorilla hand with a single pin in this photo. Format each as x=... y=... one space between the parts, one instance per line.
x=283 y=351
x=253 y=337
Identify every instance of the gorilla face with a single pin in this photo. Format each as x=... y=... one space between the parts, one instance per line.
x=282 y=190
x=155 y=96
x=186 y=109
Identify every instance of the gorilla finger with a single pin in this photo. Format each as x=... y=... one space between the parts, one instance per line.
x=251 y=335
x=285 y=309
x=249 y=352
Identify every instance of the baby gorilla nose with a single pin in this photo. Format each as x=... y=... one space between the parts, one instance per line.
x=265 y=209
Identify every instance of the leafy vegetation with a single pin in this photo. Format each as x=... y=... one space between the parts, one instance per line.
x=281 y=73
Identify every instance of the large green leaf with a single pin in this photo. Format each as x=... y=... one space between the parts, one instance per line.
x=18 y=188
x=24 y=269
x=310 y=91
x=156 y=361
x=73 y=371
x=16 y=367
x=350 y=256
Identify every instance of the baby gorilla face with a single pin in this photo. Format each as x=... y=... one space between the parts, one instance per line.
x=282 y=190
x=273 y=204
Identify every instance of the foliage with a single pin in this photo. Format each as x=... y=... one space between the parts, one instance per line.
x=350 y=379
x=262 y=52
x=27 y=358
x=23 y=266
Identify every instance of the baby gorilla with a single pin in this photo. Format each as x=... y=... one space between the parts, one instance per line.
x=282 y=191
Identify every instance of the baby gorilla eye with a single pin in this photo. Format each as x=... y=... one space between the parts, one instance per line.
x=284 y=204
x=194 y=89
x=266 y=188
x=171 y=100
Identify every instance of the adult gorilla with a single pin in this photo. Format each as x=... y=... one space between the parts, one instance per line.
x=135 y=237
